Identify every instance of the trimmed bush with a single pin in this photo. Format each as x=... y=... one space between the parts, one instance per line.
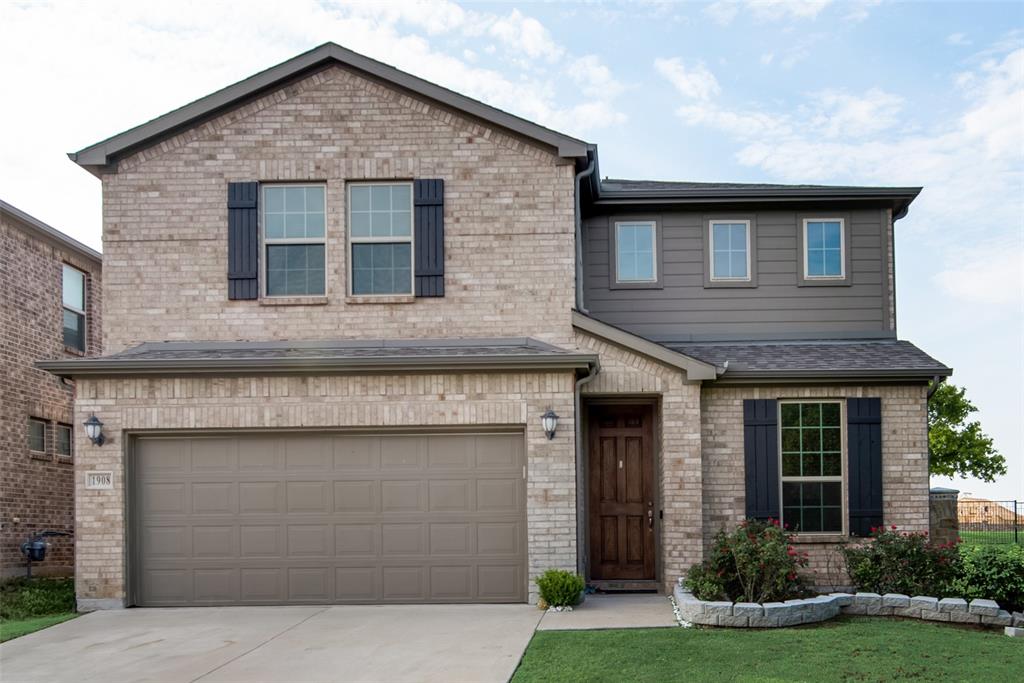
x=756 y=562
x=559 y=588
x=903 y=562
x=22 y=598
x=994 y=572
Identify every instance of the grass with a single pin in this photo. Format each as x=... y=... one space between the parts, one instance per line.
x=28 y=605
x=846 y=649
x=991 y=537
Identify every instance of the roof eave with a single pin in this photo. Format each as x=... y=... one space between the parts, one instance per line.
x=899 y=197
x=107 y=367
x=51 y=233
x=914 y=376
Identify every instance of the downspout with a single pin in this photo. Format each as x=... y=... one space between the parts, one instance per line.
x=589 y=170
x=936 y=381
x=581 y=499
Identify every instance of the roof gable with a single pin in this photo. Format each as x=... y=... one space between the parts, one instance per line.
x=102 y=154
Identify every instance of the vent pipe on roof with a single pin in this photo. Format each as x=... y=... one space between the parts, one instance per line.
x=579 y=235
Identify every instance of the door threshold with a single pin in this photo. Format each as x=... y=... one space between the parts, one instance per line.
x=626 y=586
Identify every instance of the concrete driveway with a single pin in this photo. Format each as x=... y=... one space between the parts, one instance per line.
x=287 y=644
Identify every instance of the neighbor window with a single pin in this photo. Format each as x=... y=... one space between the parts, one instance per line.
x=74 y=308
x=36 y=435
x=293 y=234
x=380 y=237
x=824 y=245
x=63 y=440
x=635 y=257
x=812 y=466
x=730 y=250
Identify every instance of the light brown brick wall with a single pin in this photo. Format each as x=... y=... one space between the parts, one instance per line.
x=904 y=461
x=36 y=491
x=325 y=402
x=678 y=437
x=508 y=220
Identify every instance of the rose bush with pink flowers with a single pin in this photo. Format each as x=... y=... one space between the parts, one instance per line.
x=756 y=562
x=903 y=562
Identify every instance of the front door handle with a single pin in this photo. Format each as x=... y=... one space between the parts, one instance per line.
x=650 y=519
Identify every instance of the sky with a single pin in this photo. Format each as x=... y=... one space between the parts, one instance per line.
x=864 y=92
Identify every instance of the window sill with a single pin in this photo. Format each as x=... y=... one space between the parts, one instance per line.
x=811 y=539
x=380 y=299
x=824 y=282
x=66 y=459
x=730 y=284
x=38 y=455
x=293 y=301
x=73 y=351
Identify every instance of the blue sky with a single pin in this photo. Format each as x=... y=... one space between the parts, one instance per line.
x=868 y=92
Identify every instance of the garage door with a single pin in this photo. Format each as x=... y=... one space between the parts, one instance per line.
x=296 y=518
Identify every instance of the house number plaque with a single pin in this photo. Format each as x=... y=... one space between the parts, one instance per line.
x=99 y=480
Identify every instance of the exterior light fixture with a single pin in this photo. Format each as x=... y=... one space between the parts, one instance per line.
x=94 y=430
x=549 y=421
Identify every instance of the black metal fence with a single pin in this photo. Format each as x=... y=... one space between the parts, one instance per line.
x=991 y=521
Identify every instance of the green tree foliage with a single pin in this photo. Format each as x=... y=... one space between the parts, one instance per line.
x=956 y=446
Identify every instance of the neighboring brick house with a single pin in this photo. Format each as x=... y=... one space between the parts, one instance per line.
x=340 y=300
x=49 y=308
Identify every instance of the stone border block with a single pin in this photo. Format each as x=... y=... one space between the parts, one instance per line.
x=764 y=622
x=964 y=618
x=747 y=609
x=718 y=608
x=909 y=612
x=924 y=602
x=1014 y=631
x=984 y=608
x=1003 y=618
x=934 y=615
x=952 y=605
x=842 y=599
x=734 y=621
x=895 y=600
x=1018 y=619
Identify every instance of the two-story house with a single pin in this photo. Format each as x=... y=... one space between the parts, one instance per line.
x=50 y=287
x=369 y=340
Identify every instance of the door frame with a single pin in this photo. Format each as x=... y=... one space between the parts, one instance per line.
x=653 y=402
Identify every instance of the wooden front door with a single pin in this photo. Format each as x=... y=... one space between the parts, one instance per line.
x=621 y=496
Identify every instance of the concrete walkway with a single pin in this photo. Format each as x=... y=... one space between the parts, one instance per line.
x=286 y=644
x=613 y=611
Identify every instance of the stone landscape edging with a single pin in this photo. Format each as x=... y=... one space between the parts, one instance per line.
x=690 y=610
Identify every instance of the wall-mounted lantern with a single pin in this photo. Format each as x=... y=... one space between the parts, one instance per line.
x=94 y=430
x=549 y=421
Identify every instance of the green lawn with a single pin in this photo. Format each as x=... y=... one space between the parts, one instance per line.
x=991 y=537
x=846 y=649
x=21 y=627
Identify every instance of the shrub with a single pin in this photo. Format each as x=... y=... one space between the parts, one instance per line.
x=26 y=598
x=903 y=562
x=993 y=573
x=756 y=562
x=559 y=588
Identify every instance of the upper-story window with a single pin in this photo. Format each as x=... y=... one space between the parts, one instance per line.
x=36 y=435
x=73 y=296
x=64 y=437
x=636 y=259
x=293 y=235
x=730 y=250
x=824 y=248
x=381 y=238
x=811 y=451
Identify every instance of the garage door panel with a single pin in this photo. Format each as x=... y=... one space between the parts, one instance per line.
x=328 y=518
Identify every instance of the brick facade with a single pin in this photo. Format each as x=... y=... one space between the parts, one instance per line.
x=36 y=489
x=323 y=402
x=904 y=461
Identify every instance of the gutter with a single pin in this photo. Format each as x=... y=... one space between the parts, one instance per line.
x=106 y=367
x=798 y=376
x=581 y=497
x=588 y=171
x=936 y=381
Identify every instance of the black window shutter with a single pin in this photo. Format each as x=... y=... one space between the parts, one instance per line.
x=761 y=457
x=864 y=446
x=428 y=208
x=243 y=241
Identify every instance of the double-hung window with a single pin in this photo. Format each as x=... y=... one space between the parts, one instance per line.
x=824 y=249
x=730 y=250
x=636 y=259
x=63 y=434
x=293 y=236
x=73 y=295
x=811 y=437
x=380 y=238
x=36 y=435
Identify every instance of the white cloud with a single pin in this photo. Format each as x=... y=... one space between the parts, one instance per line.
x=991 y=274
x=958 y=39
x=837 y=113
x=725 y=11
x=525 y=33
x=695 y=82
x=594 y=78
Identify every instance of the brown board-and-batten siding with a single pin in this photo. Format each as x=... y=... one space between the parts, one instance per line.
x=776 y=308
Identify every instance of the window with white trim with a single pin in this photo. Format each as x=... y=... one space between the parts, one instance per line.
x=824 y=248
x=811 y=452
x=294 y=225
x=36 y=435
x=73 y=297
x=635 y=252
x=730 y=249
x=380 y=238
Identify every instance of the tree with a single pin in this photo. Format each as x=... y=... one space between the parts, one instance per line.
x=955 y=446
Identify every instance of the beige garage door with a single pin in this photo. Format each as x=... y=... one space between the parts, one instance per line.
x=294 y=518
